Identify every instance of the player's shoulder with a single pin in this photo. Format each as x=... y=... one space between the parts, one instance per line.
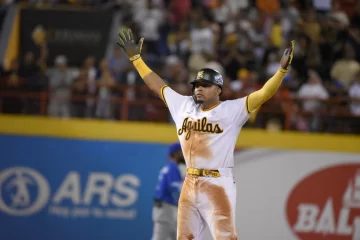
x=232 y=107
x=171 y=93
x=234 y=102
x=169 y=89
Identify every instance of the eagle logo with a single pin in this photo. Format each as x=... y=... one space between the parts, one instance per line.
x=200 y=75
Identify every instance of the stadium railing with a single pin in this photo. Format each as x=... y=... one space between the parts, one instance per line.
x=286 y=109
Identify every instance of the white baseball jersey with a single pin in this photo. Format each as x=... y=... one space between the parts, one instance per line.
x=208 y=137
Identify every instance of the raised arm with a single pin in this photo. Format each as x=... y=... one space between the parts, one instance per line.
x=257 y=98
x=133 y=50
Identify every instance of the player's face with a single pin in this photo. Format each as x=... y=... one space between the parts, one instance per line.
x=206 y=91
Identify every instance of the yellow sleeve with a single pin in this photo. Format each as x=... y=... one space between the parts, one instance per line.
x=142 y=68
x=256 y=99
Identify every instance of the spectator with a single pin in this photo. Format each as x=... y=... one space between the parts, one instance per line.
x=79 y=91
x=326 y=45
x=149 y=29
x=300 y=61
x=214 y=64
x=179 y=9
x=32 y=73
x=322 y=6
x=88 y=73
x=313 y=56
x=105 y=83
x=313 y=91
x=222 y=12
x=233 y=59
x=291 y=12
x=61 y=80
x=292 y=81
x=344 y=70
x=118 y=63
x=312 y=27
x=258 y=38
x=298 y=120
x=276 y=33
x=29 y=67
x=177 y=75
x=202 y=37
x=355 y=18
x=179 y=41
x=243 y=80
x=340 y=16
x=12 y=82
x=267 y=6
x=196 y=62
x=239 y=23
x=354 y=93
x=239 y=38
x=272 y=65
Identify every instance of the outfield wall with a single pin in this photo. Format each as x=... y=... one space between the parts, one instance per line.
x=77 y=189
x=83 y=179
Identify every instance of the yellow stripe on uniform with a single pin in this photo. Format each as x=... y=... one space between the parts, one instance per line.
x=247 y=104
x=162 y=94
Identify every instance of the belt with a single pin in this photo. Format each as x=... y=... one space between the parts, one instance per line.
x=203 y=172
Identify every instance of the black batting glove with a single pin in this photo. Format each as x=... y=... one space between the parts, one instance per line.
x=127 y=43
x=287 y=58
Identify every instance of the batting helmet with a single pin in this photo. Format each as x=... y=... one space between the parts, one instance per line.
x=208 y=75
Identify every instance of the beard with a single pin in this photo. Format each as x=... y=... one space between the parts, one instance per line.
x=197 y=101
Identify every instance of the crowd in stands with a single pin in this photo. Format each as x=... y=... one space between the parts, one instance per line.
x=242 y=39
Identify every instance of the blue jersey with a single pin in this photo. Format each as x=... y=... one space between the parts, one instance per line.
x=169 y=184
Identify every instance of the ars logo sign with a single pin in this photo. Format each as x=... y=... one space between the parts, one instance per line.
x=326 y=204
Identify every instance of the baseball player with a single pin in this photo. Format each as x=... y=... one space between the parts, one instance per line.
x=167 y=194
x=207 y=129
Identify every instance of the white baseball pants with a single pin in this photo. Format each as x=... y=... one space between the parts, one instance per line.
x=207 y=201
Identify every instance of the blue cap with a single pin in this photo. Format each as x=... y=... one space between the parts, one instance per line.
x=174 y=148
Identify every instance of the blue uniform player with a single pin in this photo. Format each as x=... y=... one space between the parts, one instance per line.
x=167 y=194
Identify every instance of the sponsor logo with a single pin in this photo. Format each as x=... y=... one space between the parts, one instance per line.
x=25 y=191
x=326 y=204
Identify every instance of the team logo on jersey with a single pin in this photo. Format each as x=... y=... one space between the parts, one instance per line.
x=200 y=75
x=201 y=125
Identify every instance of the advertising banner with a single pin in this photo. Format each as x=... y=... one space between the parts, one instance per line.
x=72 y=189
x=75 y=34
x=297 y=195
x=52 y=188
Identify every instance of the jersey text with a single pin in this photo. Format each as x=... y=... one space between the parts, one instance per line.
x=199 y=126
